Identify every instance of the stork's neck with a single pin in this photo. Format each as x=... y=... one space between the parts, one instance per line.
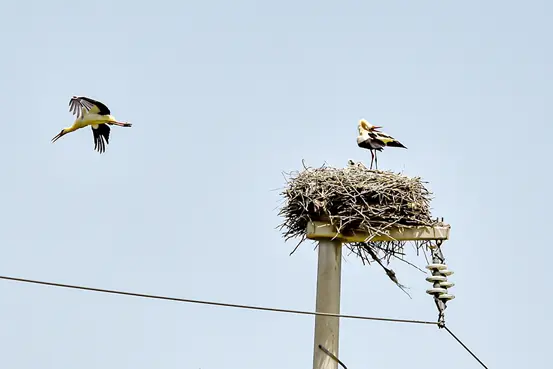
x=73 y=128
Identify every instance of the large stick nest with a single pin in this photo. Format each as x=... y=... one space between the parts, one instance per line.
x=356 y=199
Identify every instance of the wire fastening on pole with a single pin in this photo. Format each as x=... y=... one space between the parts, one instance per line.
x=251 y=307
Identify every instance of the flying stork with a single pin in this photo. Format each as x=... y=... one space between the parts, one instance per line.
x=372 y=139
x=95 y=114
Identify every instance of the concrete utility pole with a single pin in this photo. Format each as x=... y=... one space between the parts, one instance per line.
x=329 y=272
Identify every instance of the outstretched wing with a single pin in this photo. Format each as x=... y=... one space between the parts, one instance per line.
x=101 y=137
x=77 y=103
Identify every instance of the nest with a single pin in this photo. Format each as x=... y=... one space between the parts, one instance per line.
x=356 y=199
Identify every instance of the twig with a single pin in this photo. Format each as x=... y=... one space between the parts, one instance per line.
x=332 y=356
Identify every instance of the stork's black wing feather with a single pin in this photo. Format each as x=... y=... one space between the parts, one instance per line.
x=396 y=143
x=78 y=102
x=102 y=108
x=383 y=139
x=76 y=105
x=101 y=137
x=374 y=142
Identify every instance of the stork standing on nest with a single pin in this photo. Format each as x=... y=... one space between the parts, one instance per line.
x=91 y=113
x=373 y=140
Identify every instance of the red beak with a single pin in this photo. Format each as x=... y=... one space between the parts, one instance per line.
x=58 y=136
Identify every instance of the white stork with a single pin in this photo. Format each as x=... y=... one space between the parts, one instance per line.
x=370 y=138
x=91 y=113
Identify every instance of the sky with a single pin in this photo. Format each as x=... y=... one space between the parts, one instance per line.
x=226 y=96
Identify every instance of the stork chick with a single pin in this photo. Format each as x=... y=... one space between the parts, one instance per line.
x=95 y=114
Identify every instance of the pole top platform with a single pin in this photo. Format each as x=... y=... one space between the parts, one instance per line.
x=316 y=230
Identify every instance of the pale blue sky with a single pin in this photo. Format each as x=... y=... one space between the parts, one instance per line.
x=223 y=97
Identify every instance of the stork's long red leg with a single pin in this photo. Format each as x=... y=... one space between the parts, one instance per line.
x=121 y=124
x=375 y=160
x=372 y=159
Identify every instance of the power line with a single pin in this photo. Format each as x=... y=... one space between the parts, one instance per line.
x=466 y=348
x=251 y=307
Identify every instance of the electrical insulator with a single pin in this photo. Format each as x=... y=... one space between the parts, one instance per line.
x=436 y=266
x=436 y=278
x=439 y=290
